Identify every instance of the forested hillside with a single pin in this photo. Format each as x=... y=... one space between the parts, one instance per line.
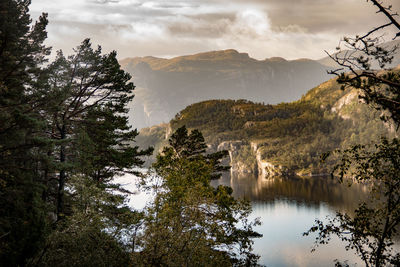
x=166 y=86
x=286 y=138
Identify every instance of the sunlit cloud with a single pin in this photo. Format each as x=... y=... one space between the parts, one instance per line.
x=290 y=29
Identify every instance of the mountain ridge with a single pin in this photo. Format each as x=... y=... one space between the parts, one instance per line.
x=165 y=86
x=159 y=63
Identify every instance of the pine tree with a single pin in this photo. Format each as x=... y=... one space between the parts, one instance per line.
x=191 y=223
x=92 y=93
x=64 y=125
x=22 y=53
x=93 y=143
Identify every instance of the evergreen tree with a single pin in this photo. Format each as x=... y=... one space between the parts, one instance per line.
x=64 y=136
x=93 y=232
x=92 y=93
x=93 y=143
x=191 y=223
x=22 y=53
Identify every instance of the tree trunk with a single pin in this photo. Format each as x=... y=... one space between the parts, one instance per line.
x=61 y=180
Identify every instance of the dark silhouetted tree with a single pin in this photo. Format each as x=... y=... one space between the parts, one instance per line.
x=22 y=54
x=373 y=228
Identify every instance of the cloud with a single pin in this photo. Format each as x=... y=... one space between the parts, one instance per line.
x=291 y=29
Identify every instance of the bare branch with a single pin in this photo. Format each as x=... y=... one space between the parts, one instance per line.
x=387 y=14
x=376 y=29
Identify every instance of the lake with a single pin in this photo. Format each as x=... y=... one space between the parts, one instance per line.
x=287 y=208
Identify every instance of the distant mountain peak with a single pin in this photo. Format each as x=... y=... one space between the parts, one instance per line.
x=165 y=86
x=276 y=59
x=191 y=62
x=157 y=63
x=217 y=55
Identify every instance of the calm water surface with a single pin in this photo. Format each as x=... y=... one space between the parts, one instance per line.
x=288 y=207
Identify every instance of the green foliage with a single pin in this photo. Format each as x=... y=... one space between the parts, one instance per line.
x=83 y=245
x=22 y=210
x=191 y=223
x=91 y=94
x=64 y=136
x=293 y=135
x=92 y=234
x=372 y=231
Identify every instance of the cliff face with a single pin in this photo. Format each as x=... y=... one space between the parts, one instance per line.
x=238 y=164
x=243 y=162
x=267 y=169
x=244 y=157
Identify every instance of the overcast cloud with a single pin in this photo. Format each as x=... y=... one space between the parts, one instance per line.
x=263 y=28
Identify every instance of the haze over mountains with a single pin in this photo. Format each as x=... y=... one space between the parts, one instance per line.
x=166 y=86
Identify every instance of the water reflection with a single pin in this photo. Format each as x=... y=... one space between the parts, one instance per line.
x=288 y=207
x=309 y=191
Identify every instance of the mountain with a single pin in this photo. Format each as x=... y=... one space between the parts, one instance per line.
x=165 y=86
x=281 y=139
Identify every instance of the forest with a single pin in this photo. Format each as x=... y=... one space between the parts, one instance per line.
x=65 y=137
x=292 y=135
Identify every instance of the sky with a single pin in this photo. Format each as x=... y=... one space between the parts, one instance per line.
x=263 y=28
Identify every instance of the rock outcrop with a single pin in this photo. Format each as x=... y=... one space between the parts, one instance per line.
x=234 y=148
x=257 y=164
x=267 y=169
